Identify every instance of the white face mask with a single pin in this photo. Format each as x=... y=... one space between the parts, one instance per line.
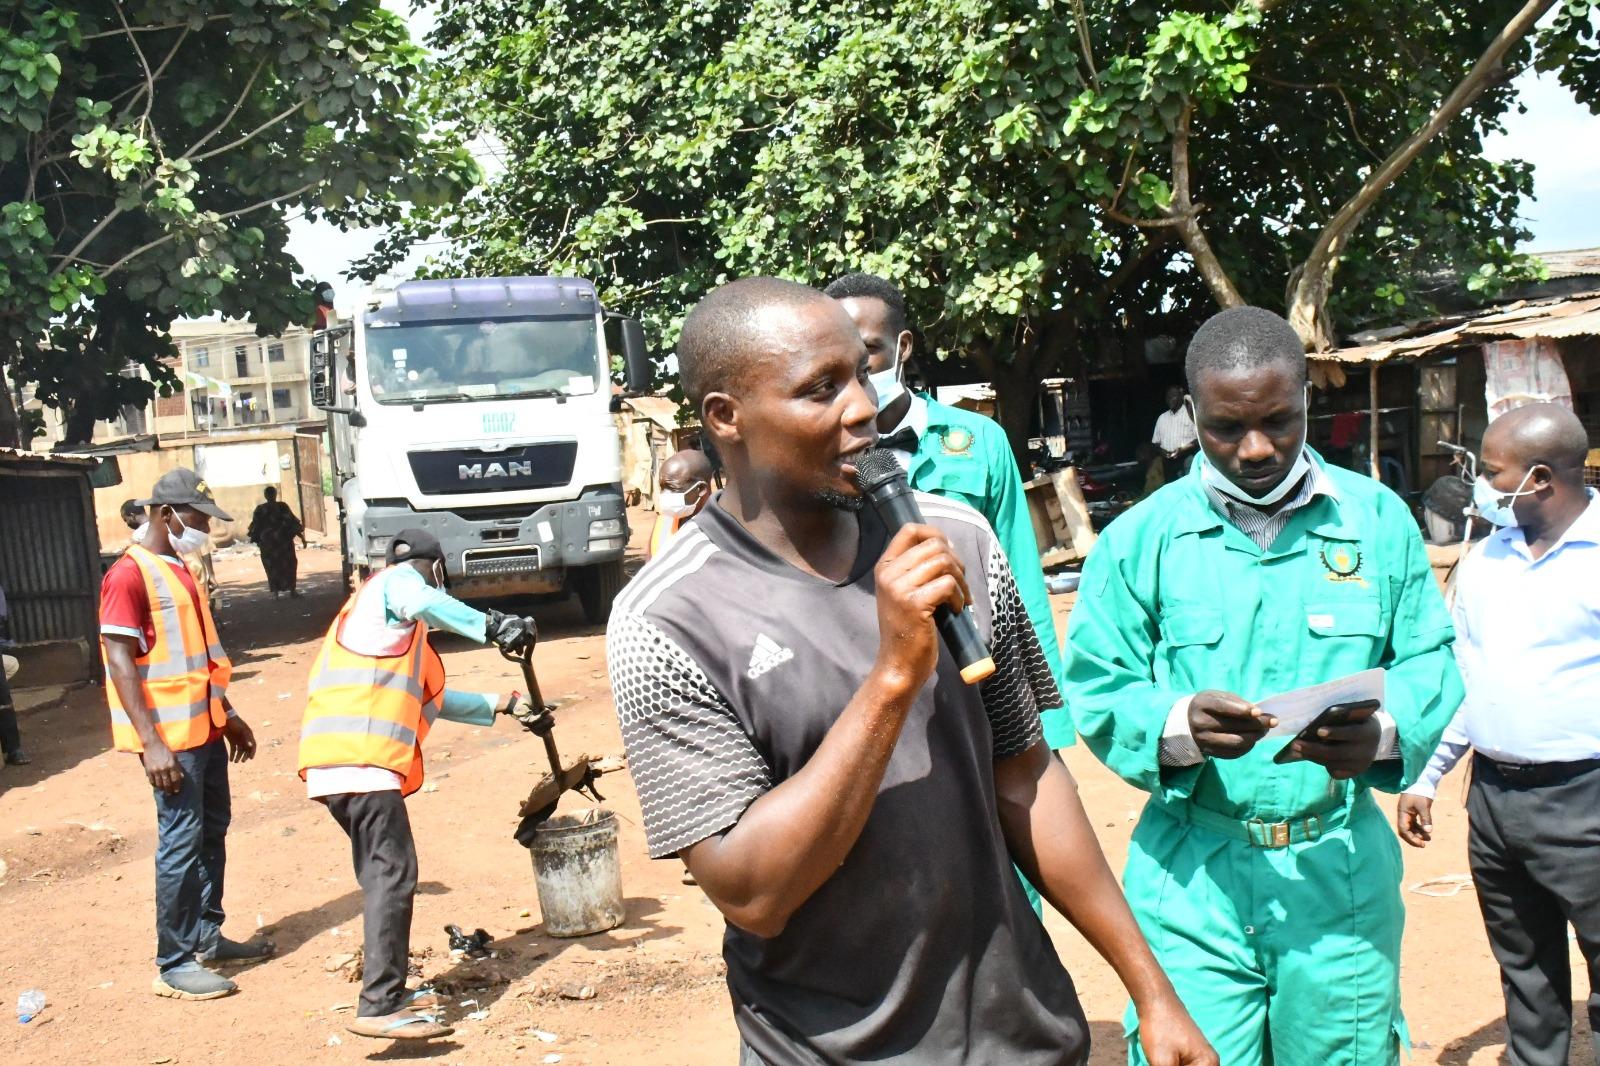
x=139 y=533
x=189 y=541
x=680 y=504
x=1219 y=481
x=1494 y=505
x=886 y=383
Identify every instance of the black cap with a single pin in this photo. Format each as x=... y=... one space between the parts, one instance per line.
x=182 y=487
x=411 y=544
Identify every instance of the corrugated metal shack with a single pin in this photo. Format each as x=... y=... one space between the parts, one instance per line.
x=1388 y=402
x=50 y=552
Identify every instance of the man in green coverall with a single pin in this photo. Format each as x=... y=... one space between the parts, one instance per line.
x=953 y=453
x=1269 y=892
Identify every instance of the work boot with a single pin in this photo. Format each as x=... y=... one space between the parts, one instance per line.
x=225 y=950
x=190 y=980
x=18 y=758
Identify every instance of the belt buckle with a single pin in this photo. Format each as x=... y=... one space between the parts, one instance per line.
x=1272 y=834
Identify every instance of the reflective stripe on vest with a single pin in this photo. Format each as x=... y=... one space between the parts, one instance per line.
x=184 y=672
x=661 y=534
x=368 y=710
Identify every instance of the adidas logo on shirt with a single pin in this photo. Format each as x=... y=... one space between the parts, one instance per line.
x=767 y=655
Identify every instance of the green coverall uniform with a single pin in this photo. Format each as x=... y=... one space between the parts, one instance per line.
x=965 y=456
x=1269 y=893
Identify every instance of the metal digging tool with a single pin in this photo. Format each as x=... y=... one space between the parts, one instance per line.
x=580 y=777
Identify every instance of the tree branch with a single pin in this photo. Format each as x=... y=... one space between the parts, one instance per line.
x=149 y=29
x=1084 y=42
x=1312 y=283
x=232 y=111
x=147 y=246
x=144 y=65
x=1189 y=229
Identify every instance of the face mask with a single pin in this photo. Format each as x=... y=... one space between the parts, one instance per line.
x=188 y=541
x=1217 y=480
x=1494 y=505
x=678 y=504
x=139 y=533
x=887 y=384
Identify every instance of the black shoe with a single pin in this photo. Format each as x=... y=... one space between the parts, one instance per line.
x=18 y=758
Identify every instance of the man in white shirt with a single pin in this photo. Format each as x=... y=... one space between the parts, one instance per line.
x=1176 y=436
x=1527 y=617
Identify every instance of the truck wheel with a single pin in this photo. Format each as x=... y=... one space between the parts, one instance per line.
x=597 y=587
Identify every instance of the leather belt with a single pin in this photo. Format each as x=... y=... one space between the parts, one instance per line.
x=1535 y=773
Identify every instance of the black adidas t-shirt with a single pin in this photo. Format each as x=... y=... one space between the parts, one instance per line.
x=729 y=665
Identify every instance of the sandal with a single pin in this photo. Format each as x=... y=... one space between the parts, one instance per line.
x=425 y=997
x=401 y=1025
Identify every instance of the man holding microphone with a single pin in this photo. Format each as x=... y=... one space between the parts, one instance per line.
x=810 y=749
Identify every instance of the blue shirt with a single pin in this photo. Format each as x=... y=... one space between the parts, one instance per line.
x=408 y=599
x=1528 y=644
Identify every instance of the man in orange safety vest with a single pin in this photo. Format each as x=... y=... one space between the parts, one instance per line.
x=166 y=682
x=376 y=688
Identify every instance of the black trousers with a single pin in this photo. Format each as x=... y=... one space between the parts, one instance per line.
x=385 y=859
x=1535 y=853
x=10 y=737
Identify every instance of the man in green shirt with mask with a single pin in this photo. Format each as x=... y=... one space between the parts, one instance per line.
x=954 y=453
x=1269 y=891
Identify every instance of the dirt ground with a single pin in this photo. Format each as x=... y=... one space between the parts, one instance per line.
x=77 y=836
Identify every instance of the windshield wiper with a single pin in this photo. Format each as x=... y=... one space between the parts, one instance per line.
x=532 y=394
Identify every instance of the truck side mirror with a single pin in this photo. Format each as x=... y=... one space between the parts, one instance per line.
x=636 y=370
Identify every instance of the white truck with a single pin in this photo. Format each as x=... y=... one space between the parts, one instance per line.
x=479 y=409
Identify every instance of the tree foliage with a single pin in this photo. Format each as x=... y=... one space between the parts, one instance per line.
x=1009 y=162
x=151 y=152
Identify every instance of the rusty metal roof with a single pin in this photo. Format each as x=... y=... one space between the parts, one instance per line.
x=1575 y=316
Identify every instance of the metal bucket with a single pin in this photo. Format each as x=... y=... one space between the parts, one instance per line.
x=578 y=873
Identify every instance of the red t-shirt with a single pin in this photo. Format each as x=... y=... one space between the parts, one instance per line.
x=124 y=604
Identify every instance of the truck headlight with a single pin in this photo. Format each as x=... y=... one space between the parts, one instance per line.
x=605 y=527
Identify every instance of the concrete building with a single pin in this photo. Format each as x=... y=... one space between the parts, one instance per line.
x=228 y=378
x=232 y=379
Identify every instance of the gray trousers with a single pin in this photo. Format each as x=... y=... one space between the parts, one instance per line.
x=385 y=858
x=1535 y=854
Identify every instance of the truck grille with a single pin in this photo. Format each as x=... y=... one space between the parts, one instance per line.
x=489 y=562
x=458 y=470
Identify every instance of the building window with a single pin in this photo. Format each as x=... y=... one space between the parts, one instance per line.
x=241 y=361
x=275 y=353
x=200 y=357
x=282 y=402
x=248 y=409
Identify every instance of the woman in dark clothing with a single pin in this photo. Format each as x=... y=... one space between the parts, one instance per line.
x=273 y=529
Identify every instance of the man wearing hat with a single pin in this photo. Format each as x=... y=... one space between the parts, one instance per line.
x=375 y=689
x=166 y=682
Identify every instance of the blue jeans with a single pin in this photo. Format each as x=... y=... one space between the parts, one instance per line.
x=191 y=851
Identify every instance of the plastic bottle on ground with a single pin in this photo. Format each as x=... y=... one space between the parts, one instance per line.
x=29 y=1004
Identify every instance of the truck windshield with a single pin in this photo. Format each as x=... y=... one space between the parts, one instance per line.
x=495 y=359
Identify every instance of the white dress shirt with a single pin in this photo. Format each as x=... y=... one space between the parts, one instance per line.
x=1528 y=644
x=915 y=419
x=1174 y=430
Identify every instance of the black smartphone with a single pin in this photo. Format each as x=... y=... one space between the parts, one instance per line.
x=1337 y=714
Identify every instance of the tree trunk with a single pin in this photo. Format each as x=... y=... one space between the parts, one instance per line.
x=10 y=417
x=1312 y=282
x=1016 y=393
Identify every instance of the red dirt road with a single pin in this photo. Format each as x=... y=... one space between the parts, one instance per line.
x=77 y=834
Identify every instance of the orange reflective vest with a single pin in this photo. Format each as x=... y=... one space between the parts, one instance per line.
x=368 y=710
x=183 y=674
x=666 y=528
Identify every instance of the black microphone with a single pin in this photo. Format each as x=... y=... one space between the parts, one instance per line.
x=881 y=480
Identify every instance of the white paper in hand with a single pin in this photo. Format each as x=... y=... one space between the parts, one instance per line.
x=1297 y=709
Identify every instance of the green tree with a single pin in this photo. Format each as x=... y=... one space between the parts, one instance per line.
x=1009 y=162
x=151 y=153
